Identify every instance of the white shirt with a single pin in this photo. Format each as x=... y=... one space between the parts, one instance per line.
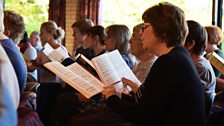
x=31 y=54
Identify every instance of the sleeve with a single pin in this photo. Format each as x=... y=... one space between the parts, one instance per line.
x=31 y=53
x=158 y=90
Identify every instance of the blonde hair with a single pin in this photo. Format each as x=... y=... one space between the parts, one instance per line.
x=57 y=32
x=215 y=35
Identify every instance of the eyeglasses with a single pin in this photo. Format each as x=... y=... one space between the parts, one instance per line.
x=135 y=37
x=146 y=25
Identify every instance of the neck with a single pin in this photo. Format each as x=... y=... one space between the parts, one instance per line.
x=99 y=48
x=195 y=57
x=54 y=44
x=163 y=49
x=143 y=57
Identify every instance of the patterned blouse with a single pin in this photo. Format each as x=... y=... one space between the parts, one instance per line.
x=141 y=71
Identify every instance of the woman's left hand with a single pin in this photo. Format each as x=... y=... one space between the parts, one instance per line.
x=110 y=90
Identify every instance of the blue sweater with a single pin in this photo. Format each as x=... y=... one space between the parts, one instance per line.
x=17 y=61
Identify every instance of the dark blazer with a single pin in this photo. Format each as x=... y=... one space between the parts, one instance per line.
x=172 y=94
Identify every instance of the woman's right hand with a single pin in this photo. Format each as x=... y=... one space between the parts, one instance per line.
x=130 y=83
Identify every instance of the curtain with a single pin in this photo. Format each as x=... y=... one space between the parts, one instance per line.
x=57 y=12
x=90 y=9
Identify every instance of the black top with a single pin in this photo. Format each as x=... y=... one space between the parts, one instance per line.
x=88 y=53
x=172 y=94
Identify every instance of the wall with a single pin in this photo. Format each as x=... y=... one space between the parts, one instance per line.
x=71 y=11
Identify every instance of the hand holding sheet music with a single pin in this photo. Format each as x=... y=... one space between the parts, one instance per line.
x=110 y=68
x=58 y=54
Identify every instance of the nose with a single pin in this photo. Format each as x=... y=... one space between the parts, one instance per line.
x=130 y=41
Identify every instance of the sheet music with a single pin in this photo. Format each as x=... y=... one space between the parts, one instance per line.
x=217 y=62
x=88 y=61
x=47 y=49
x=105 y=69
x=121 y=67
x=58 y=54
x=73 y=79
x=76 y=68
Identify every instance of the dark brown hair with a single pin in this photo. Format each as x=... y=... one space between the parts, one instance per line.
x=15 y=24
x=83 y=25
x=198 y=34
x=168 y=23
x=99 y=31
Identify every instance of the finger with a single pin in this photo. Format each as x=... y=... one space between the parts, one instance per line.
x=115 y=83
x=126 y=81
x=111 y=85
x=106 y=88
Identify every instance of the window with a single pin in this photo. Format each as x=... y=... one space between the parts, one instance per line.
x=34 y=12
x=129 y=12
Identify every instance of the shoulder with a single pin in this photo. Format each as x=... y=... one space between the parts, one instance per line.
x=31 y=53
x=203 y=65
x=178 y=60
x=63 y=48
x=9 y=77
x=30 y=50
x=204 y=69
x=6 y=43
x=127 y=59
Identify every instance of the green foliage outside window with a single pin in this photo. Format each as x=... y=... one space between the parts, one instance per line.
x=129 y=12
x=34 y=12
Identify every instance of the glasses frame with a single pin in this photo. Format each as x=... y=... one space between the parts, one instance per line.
x=146 y=25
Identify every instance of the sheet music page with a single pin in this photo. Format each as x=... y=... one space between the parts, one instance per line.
x=88 y=61
x=47 y=49
x=83 y=73
x=121 y=67
x=105 y=69
x=73 y=79
x=217 y=61
x=58 y=54
x=87 y=65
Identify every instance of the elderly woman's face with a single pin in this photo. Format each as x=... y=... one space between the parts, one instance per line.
x=149 y=40
x=135 y=43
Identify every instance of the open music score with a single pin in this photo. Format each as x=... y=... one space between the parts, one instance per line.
x=217 y=62
x=110 y=68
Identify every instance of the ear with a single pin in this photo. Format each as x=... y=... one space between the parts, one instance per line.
x=96 y=37
x=190 y=45
x=7 y=32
